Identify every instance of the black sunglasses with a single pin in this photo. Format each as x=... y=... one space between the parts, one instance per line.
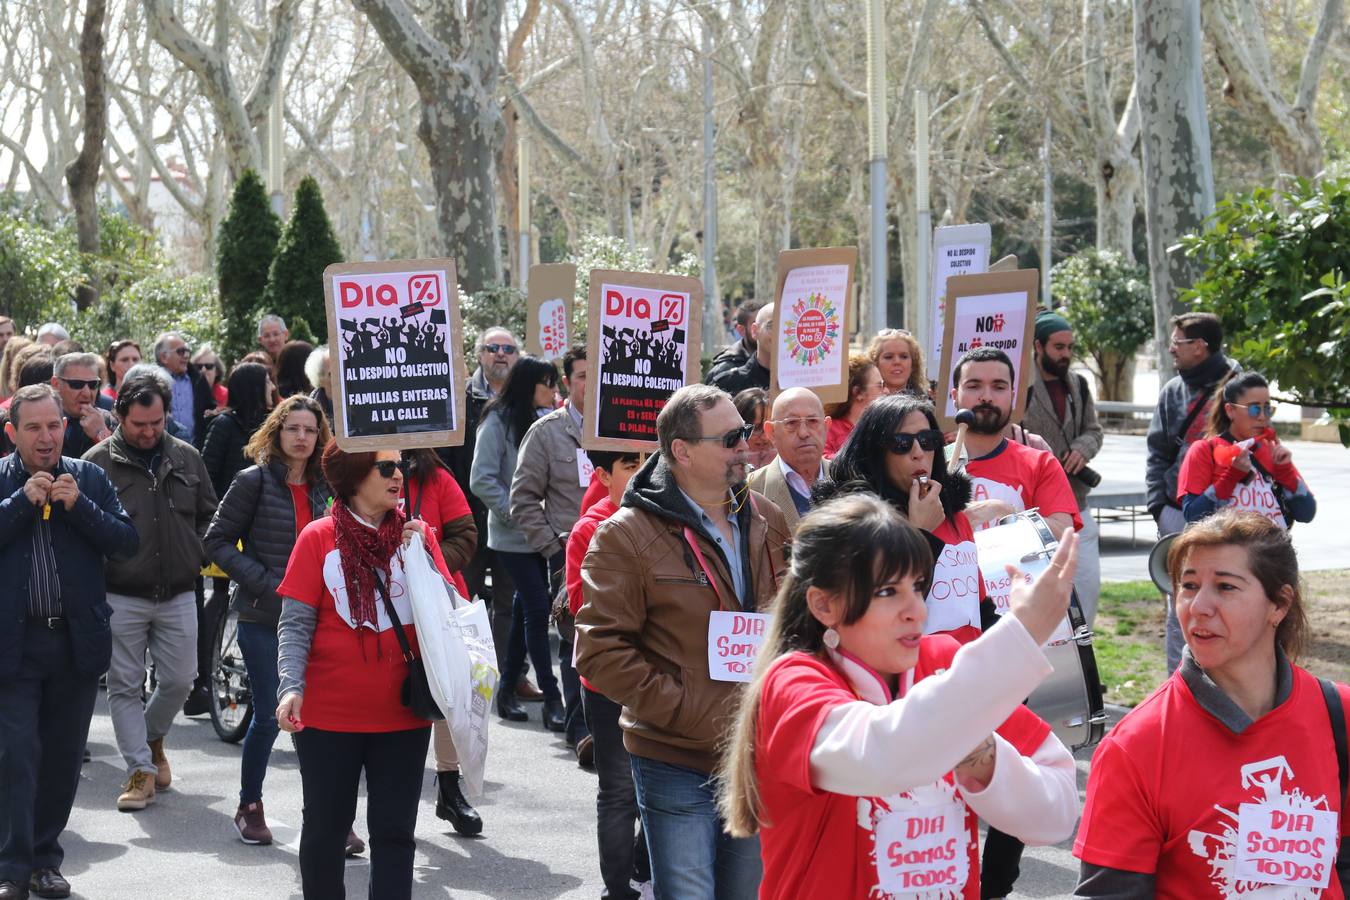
x=202 y=367
x=387 y=467
x=732 y=437
x=903 y=442
x=508 y=349
x=80 y=384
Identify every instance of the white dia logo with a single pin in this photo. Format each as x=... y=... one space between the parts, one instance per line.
x=1278 y=843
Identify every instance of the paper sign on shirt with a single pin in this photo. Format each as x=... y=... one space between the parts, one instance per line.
x=1257 y=496
x=954 y=599
x=733 y=640
x=1279 y=843
x=585 y=468
x=922 y=849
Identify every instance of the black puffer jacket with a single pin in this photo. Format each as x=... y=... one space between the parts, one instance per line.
x=257 y=508
x=223 y=449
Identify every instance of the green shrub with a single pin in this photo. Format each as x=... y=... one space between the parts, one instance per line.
x=295 y=280
x=245 y=249
x=1107 y=300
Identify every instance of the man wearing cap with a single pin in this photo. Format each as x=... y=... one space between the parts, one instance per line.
x=1060 y=409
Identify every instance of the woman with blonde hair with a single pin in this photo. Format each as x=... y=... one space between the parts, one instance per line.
x=864 y=751
x=1238 y=717
x=900 y=360
x=864 y=386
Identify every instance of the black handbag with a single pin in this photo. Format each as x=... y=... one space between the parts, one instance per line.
x=416 y=691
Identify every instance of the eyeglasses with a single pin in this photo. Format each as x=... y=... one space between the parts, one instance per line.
x=80 y=384
x=1255 y=409
x=799 y=423
x=1177 y=343
x=387 y=467
x=731 y=438
x=181 y=351
x=204 y=367
x=308 y=431
x=508 y=349
x=928 y=440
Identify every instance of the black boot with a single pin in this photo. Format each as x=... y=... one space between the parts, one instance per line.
x=451 y=805
x=554 y=719
x=508 y=707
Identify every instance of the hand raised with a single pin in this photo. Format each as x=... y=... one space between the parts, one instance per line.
x=1041 y=606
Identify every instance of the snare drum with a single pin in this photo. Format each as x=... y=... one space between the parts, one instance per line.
x=1070 y=699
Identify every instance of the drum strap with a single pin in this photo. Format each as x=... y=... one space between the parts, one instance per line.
x=1336 y=712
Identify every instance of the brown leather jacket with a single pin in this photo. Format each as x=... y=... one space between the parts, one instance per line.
x=642 y=634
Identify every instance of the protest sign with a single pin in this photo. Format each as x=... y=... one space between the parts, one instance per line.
x=997 y=309
x=810 y=321
x=1283 y=843
x=733 y=640
x=548 y=320
x=642 y=344
x=957 y=250
x=397 y=354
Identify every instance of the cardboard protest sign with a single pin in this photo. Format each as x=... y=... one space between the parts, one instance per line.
x=397 y=358
x=997 y=309
x=548 y=320
x=642 y=344
x=957 y=250
x=810 y=321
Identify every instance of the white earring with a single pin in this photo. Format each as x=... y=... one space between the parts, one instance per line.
x=830 y=638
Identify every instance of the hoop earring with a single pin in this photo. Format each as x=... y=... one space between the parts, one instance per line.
x=830 y=639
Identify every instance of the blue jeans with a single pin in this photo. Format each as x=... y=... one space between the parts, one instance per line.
x=692 y=856
x=258 y=643
x=529 y=617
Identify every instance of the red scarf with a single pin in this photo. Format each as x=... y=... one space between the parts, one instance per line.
x=364 y=551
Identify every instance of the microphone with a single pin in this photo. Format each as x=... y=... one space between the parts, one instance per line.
x=964 y=419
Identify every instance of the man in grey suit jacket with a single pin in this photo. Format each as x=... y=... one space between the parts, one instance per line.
x=796 y=426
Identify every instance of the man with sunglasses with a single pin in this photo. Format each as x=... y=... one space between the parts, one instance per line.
x=75 y=377
x=191 y=393
x=690 y=539
x=797 y=426
x=167 y=491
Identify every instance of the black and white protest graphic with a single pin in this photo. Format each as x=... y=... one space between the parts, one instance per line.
x=643 y=347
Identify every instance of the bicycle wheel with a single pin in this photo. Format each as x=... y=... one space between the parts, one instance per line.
x=231 y=697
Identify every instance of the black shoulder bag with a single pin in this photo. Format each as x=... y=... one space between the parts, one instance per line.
x=416 y=692
x=1336 y=712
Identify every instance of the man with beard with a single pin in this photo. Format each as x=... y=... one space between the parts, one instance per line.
x=1060 y=409
x=689 y=540
x=736 y=354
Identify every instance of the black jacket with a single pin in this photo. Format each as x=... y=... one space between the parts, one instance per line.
x=223 y=449
x=732 y=356
x=95 y=527
x=257 y=509
x=750 y=374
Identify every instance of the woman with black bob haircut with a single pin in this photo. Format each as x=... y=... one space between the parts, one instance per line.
x=250 y=393
x=864 y=750
x=896 y=452
x=529 y=393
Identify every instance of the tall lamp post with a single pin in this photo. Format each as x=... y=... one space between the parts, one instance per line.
x=876 y=144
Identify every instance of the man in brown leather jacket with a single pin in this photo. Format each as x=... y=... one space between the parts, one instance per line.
x=690 y=539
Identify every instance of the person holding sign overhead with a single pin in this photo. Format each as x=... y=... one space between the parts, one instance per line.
x=864 y=751
x=683 y=564
x=1240 y=463
x=1261 y=734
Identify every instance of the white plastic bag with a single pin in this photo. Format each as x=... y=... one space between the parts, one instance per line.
x=455 y=643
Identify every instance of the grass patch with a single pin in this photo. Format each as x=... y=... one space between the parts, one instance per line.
x=1129 y=634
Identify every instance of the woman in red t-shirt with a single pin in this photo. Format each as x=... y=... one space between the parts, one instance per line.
x=251 y=538
x=864 y=751
x=898 y=457
x=341 y=671
x=864 y=387
x=1241 y=463
x=430 y=493
x=1224 y=782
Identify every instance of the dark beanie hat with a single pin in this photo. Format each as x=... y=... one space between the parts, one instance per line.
x=1049 y=322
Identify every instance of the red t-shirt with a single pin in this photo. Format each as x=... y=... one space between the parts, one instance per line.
x=220 y=394
x=354 y=675
x=442 y=501
x=1249 y=491
x=578 y=542
x=822 y=845
x=1025 y=478
x=953 y=600
x=1168 y=784
x=300 y=500
x=838 y=432
x=595 y=492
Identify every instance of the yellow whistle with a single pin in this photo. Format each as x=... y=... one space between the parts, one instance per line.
x=46 y=511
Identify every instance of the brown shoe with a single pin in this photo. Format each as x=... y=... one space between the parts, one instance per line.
x=163 y=774
x=138 y=792
x=525 y=690
x=354 y=844
x=252 y=827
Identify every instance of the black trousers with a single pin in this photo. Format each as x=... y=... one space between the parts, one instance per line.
x=44 y=723
x=331 y=763
x=1000 y=865
x=623 y=857
x=209 y=611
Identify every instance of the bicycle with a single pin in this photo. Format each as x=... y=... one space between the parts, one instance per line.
x=231 y=696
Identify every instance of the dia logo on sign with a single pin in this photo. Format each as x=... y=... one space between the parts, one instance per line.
x=811 y=329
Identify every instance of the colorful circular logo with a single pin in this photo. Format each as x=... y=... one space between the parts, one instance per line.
x=811 y=328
